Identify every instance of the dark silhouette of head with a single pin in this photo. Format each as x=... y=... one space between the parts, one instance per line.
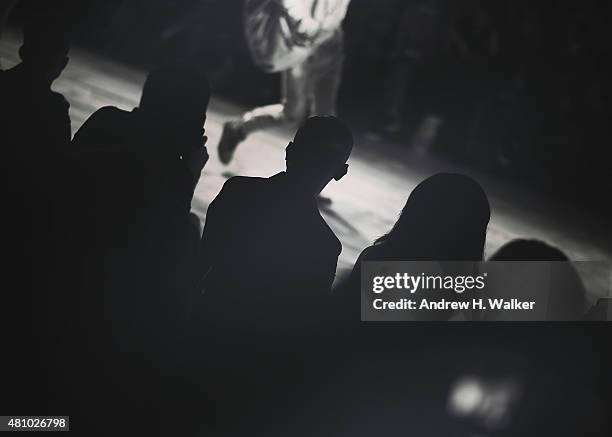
x=172 y=112
x=444 y=219
x=318 y=152
x=177 y=95
x=566 y=299
x=528 y=250
x=46 y=42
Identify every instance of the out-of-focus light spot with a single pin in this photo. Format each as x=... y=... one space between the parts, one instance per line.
x=488 y=403
x=466 y=397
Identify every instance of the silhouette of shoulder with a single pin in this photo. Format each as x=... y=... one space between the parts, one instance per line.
x=59 y=100
x=108 y=114
x=31 y=111
x=103 y=129
x=350 y=288
x=263 y=225
x=239 y=183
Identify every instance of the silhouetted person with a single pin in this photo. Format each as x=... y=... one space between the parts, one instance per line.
x=264 y=239
x=269 y=260
x=34 y=126
x=35 y=121
x=155 y=155
x=445 y=219
x=564 y=295
x=135 y=243
x=156 y=151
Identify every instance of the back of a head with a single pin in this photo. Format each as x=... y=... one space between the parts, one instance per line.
x=46 y=39
x=528 y=250
x=445 y=218
x=178 y=93
x=566 y=300
x=321 y=141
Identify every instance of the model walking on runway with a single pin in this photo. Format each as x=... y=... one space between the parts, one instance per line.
x=311 y=65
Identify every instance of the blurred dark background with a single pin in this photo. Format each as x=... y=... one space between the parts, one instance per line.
x=519 y=88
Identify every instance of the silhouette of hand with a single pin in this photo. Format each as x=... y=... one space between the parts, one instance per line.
x=196 y=158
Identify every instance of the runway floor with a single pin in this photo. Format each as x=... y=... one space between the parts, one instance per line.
x=368 y=200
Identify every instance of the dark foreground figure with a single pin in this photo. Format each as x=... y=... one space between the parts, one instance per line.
x=564 y=295
x=129 y=256
x=264 y=240
x=34 y=132
x=270 y=260
x=445 y=219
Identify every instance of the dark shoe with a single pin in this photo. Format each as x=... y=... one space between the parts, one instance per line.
x=230 y=138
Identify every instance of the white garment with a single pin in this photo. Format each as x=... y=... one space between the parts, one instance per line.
x=326 y=15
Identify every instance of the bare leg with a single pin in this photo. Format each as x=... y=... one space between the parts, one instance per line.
x=295 y=86
x=326 y=68
x=292 y=109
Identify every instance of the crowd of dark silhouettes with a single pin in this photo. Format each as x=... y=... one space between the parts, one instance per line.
x=117 y=296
